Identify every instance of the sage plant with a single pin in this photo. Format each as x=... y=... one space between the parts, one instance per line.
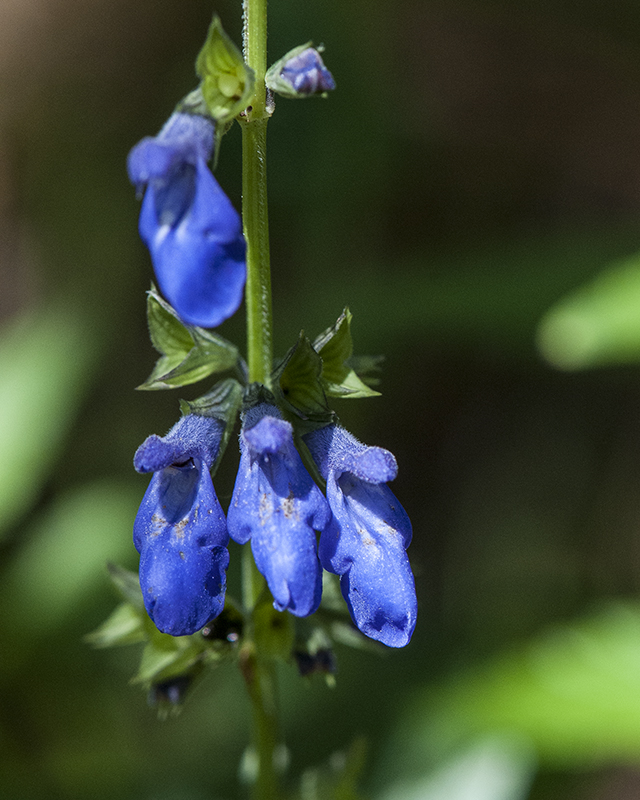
x=310 y=498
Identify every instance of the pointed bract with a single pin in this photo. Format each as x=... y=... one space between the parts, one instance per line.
x=191 y=228
x=180 y=530
x=365 y=541
x=277 y=505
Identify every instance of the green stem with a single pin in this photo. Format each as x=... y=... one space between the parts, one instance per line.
x=258 y=671
x=254 y=199
x=258 y=668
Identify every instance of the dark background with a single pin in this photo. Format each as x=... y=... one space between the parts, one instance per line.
x=477 y=162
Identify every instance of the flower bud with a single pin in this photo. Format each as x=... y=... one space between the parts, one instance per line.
x=300 y=73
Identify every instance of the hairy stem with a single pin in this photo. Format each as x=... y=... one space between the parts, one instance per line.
x=254 y=199
x=258 y=669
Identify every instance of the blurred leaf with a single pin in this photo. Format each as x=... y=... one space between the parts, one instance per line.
x=127 y=584
x=124 y=626
x=490 y=295
x=45 y=364
x=274 y=629
x=168 y=656
x=597 y=324
x=496 y=768
x=337 y=780
x=65 y=551
x=574 y=692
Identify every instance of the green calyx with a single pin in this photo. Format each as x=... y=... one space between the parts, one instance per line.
x=227 y=82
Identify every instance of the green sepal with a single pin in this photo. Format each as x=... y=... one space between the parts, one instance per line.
x=335 y=347
x=367 y=368
x=188 y=353
x=298 y=379
x=227 y=82
x=124 y=626
x=222 y=402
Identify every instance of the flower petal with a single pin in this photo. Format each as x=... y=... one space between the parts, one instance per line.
x=365 y=544
x=199 y=263
x=191 y=228
x=181 y=535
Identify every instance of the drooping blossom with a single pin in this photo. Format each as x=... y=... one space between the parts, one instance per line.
x=277 y=505
x=192 y=230
x=180 y=530
x=365 y=542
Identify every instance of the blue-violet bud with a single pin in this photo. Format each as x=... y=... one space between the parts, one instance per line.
x=180 y=530
x=307 y=74
x=365 y=541
x=193 y=232
x=277 y=505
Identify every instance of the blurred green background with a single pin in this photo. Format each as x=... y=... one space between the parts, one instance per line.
x=472 y=192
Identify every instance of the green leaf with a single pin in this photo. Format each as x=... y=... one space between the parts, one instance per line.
x=574 y=692
x=597 y=324
x=46 y=364
x=298 y=378
x=227 y=82
x=169 y=335
x=62 y=556
x=127 y=584
x=124 y=626
x=493 y=768
x=167 y=656
x=335 y=347
x=189 y=353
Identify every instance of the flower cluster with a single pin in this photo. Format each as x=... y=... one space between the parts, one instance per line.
x=364 y=532
x=198 y=252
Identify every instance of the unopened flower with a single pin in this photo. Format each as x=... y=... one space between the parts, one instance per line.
x=192 y=230
x=180 y=530
x=366 y=540
x=307 y=73
x=300 y=73
x=277 y=505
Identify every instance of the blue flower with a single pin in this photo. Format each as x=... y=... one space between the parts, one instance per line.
x=307 y=74
x=180 y=530
x=193 y=232
x=277 y=505
x=366 y=539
